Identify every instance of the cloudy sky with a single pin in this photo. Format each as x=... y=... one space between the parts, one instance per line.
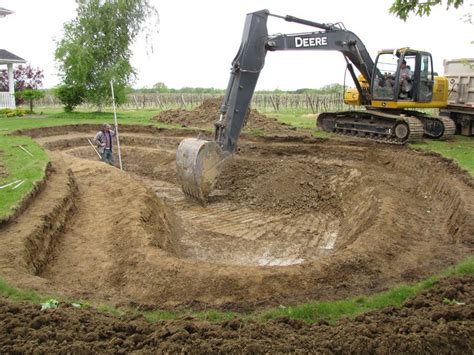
x=197 y=40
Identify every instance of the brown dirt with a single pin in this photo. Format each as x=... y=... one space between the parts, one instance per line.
x=207 y=113
x=288 y=186
x=300 y=219
x=425 y=324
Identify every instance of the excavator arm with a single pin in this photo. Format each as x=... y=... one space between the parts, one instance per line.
x=199 y=161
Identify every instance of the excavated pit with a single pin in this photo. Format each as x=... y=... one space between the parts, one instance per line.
x=290 y=219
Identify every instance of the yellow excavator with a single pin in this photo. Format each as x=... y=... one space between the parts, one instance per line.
x=391 y=89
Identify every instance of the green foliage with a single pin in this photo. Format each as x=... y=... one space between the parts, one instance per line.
x=95 y=48
x=50 y=304
x=403 y=8
x=327 y=89
x=29 y=95
x=163 y=89
x=70 y=96
x=12 y=112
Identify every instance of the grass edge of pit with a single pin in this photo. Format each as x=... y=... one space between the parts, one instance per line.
x=34 y=180
x=329 y=311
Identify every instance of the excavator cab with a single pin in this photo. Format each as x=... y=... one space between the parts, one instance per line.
x=402 y=78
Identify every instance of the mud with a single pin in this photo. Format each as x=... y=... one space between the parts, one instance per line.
x=208 y=112
x=292 y=219
x=440 y=321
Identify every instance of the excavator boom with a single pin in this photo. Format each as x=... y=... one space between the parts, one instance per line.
x=199 y=161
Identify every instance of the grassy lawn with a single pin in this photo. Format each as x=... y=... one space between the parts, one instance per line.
x=461 y=149
x=17 y=165
x=56 y=117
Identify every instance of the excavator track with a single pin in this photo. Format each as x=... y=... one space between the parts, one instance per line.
x=437 y=127
x=373 y=125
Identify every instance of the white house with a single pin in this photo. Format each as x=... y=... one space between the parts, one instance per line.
x=7 y=99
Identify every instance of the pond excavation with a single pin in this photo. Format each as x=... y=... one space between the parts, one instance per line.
x=292 y=218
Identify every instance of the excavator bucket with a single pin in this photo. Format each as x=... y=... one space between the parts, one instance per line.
x=198 y=164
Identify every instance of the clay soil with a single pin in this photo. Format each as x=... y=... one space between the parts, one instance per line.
x=291 y=219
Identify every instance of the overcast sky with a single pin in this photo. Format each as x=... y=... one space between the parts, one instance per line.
x=197 y=40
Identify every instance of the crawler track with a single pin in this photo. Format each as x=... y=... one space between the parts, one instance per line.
x=373 y=125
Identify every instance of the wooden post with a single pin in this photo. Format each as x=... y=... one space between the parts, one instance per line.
x=116 y=125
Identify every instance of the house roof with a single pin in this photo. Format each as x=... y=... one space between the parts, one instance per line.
x=7 y=57
x=4 y=12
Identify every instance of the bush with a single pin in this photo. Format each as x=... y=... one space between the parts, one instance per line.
x=70 y=96
x=9 y=112
x=29 y=95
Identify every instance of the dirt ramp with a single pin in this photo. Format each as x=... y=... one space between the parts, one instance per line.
x=117 y=225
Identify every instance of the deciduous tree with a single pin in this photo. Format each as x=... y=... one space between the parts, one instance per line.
x=25 y=77
x=403 y=8
x=96 y=47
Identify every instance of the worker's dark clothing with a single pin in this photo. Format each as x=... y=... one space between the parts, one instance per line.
x=103 y=140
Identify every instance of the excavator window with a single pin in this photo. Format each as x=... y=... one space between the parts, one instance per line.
x=385 y=77
x=394 y=77
x=425 y=92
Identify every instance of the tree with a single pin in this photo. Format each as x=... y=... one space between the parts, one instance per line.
x=70 y=96
x=403 y=8
x=29 y=95
x=25 y=77
x=160 y=87
x=96 y=45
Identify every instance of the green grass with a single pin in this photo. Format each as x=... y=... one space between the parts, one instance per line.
x=461 y=149
x=297 y=119
x=331 y=311
x=19 y=166
x=54 y=117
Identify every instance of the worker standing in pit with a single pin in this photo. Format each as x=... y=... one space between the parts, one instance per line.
x=103 y=140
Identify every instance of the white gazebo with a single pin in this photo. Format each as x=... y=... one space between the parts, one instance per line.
x=7 y=99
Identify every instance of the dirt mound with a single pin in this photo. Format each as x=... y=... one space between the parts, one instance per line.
x=208 y=112
x=439 y=321
x=287 y=186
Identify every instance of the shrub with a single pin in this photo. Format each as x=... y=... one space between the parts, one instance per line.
x=70 y=96
x=29 y=95
x=9 y=112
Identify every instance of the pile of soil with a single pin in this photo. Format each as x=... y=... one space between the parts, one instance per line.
x=441 y=320
x=207 y=113
x=286 y=186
